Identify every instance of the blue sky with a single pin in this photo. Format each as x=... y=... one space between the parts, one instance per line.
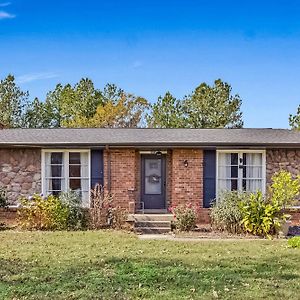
x=148 y=47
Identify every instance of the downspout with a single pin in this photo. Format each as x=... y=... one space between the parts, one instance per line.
x=108 y=169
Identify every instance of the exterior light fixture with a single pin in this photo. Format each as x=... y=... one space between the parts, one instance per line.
x=186 y=163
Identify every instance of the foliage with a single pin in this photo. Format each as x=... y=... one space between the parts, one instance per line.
x=184 y=217
x=167 y=112
x=226 y=214
x=52 y=213
x=64 y=104
x=294 y=242
x=103 y=212
x=261 y=216
x=118 y=109
x=77 y=217
x=294 y=120
x=40 y=213
x=3 y=197
x=213 y=107
x=284 y=190
x=12 y=103
x=83 y=105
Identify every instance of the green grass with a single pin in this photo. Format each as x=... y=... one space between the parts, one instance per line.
x=115 y=265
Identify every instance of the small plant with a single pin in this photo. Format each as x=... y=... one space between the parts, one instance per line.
x=261 y=216
x=226 y=214
x=184 y=217
x=3 y=197
x=294 y=242
x=40 y=213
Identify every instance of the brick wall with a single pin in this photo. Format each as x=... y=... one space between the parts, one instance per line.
x=187 y=182
x=123 y=175
x=20 y=172
x=8 y=216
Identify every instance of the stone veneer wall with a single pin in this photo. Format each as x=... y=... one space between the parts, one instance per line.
x=20 y=172
x=282 y=159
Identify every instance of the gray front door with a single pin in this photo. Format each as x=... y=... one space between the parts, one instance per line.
x=153 y=181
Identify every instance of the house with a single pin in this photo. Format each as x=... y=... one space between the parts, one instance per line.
x=145 y=169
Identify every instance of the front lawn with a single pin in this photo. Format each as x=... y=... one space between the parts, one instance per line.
x=115 y=265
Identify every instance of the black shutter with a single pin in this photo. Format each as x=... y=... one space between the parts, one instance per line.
x=209 y=177
x=96 y=167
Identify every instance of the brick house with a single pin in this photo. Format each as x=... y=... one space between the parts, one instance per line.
x=145 y=169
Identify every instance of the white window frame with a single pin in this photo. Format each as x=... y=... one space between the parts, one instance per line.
x=66 y=167
x=240 y=175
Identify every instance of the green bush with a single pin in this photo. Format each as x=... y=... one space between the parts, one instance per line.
x=184 y=217
x=77 y=216
x=3 y=197
x=284 y=190
x=226 y=214
x=294 y=242
x=52 y=213
x=261 y=216
x=41 y=213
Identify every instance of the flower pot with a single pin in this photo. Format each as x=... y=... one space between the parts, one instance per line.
x=284 y=229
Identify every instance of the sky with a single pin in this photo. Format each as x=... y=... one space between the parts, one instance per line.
x=148 y=47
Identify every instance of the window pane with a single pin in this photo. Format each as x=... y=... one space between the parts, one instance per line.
x=234 y=159
x=153 y=176
x=56 y=171
x=227 y=184
x=54 y=186
x=74 y=158
x=252 y=185
x=56 y=158
x=74 y=171
x=75 y=184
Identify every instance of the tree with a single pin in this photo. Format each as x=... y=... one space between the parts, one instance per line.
x=213 y=107
x=12 y=103
x=35 y=115
x=294 y=120
x=63 y=105
x=167 y=112
x=117 y=109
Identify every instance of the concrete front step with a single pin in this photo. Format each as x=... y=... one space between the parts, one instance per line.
x=153 y=230
x=151 y=217
x=166 y=224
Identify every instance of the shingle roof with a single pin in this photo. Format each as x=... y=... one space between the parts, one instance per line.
x=149 y=137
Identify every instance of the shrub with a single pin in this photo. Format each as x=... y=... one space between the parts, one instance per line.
x=3 y=197
x=294 y=242
x=77 y=217
x=261 y=216
x=103 y=212
x=41 y=213
x=284 y=190
x=226 y=214
x=184 y=217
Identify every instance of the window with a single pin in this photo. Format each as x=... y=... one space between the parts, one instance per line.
x=241 y=170
x=66 y=170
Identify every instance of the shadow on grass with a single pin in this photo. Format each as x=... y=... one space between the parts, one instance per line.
x=144 y=278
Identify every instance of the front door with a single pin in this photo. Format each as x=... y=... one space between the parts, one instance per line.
x=153 y=181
